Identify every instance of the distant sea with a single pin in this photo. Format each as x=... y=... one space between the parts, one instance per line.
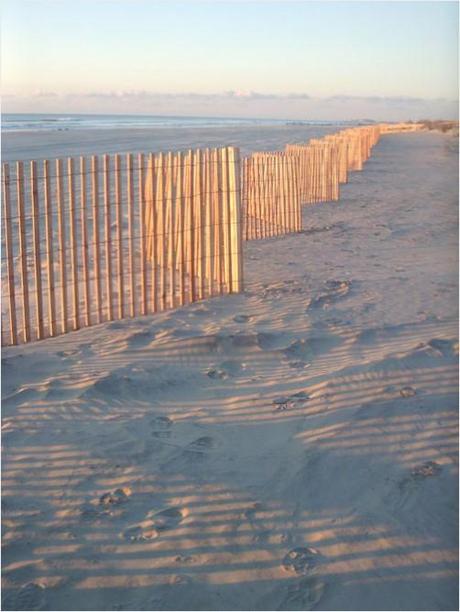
x=40 y=136
x=15 y=122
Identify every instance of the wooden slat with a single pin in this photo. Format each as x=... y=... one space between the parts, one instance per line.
x=200 y=220
x=156 y=187
x=52 y=328
x=35 y=210
x=235 y=219
x=62 y=246
x=181 y=226
x=209 y=221
x=226 y=219
x=142 y=243
x=162 y=233
x=73 y=243
x=191 y=225
x=108 y=238
x=130 y=211
x=26 y=331
x=218 y=226
x=96 y=237
x=170 y=172
x=9 y=255
x=84 y=242
x=119 y=244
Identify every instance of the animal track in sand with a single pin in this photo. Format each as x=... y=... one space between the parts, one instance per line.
x=301 y=561
x=30 y=596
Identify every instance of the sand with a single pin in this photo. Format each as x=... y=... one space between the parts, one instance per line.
x=293 y=447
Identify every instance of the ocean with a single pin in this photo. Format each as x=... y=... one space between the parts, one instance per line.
x=42 y=136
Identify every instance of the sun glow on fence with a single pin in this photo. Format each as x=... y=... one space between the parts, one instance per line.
x=96 y=239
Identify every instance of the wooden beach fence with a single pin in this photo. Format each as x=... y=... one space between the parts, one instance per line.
x=270 y=195
x=110 y=237
x=318 y=170
x=97 y=239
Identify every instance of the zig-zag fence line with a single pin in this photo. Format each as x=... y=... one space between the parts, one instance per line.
x=104 y=238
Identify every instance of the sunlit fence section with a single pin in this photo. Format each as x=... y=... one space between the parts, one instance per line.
x=193 y=225
x=103 y=238
x=270 y=195
x=97 y=239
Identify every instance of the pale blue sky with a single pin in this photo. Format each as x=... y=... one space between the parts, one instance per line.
x=232 y=58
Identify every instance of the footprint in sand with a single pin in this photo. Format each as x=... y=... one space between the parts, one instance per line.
x=198 y=448
x=417 y=476
x=301 y=561
x=166 y=519
x=105 y=505
x=334 y=291
x=227 y=369
x=154 y=525
x=30 y=596
x=119 y=496
x=303 y=595
x=290 y=402
x=407 y=392
x=241 y=318
x=140 y=533
x=162 y=427
x=217 y=374
x=430 y=468
x=251 y=512
x=142 y=338
x=184 y=559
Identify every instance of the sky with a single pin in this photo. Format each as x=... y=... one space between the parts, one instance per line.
x=287 y=59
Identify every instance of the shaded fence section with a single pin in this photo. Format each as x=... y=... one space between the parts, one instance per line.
x=104 y=238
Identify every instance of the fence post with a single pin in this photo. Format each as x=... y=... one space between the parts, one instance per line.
x=235 y=219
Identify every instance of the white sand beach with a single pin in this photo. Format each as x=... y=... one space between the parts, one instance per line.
x=293 y=447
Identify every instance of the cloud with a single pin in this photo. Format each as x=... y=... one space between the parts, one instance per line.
x=234 y=102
